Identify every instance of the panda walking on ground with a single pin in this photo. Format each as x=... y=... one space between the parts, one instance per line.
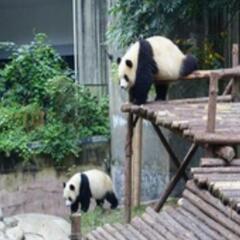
x=82 y=187
x=155 y=60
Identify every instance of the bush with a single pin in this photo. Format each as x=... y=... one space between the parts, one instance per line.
x=43 y=112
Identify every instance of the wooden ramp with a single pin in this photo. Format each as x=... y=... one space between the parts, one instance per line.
x=208 y=210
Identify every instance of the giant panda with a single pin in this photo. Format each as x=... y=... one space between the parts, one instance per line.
x=82 y=187
x=153 y=60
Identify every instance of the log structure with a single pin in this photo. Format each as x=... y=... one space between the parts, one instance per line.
x=210 y=204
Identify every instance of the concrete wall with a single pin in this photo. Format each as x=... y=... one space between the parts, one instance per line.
x=20 y=19
x=155 y=167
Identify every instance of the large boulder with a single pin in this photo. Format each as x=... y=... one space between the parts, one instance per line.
x=33 y=226
x=44 y=227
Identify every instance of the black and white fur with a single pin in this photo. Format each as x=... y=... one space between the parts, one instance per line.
x=82 y=187
x=153 y=60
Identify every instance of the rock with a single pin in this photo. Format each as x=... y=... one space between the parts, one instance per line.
x=40 y=226
x=15 y=233
x=2 y=236
x=2 y=227
x=10 y=222
x=1 y=215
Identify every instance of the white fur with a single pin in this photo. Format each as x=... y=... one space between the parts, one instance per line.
x=99 y=182
x=75 y=181
x=131 y=54
x=166 y=54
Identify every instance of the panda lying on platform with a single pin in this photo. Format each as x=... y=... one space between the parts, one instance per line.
x=82 y=187
x=153 y=60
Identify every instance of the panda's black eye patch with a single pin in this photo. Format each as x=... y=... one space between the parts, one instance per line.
x=70 y=199
x=126 y=78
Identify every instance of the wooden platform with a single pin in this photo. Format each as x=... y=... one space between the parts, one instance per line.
x=201 y=215
x=189 y=119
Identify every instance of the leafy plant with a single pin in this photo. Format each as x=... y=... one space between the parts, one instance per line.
x=43 y=112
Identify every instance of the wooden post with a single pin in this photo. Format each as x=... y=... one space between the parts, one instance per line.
x=128 y=169
x=177 y=176
x=212 y=102
x=236 y=82
x=75 y=226
x=137 y=163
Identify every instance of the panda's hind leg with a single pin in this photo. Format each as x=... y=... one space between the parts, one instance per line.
x=161 y=91
x=112 y=199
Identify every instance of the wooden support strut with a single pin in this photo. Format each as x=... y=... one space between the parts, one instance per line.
x=174 y=158
x=177 y=176
x=128 y=169
x=75 y=227
x=212 y=103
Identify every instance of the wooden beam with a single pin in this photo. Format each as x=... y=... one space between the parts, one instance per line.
x=225 y=152
x=128 y=169
x=217 y=138
x=168 y=148
x=177 y=176
x=212 y=103
x=75 y=226
x=236 y=83
x=137 y=163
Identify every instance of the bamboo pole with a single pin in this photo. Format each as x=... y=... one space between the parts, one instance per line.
x=75 y=226
x=137 y=163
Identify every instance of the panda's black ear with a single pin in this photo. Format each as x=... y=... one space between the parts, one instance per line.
x=64 y=184
x=118 y=60
x=72 y=187
x=129 y=63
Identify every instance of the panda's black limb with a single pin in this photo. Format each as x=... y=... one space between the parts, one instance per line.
x=161 y=91
x=189 y=65
x=112 y=199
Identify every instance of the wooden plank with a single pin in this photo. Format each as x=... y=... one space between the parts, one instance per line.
x=158 y=227
x=213 y=213
x=207 y=197
x=182 y=232
x=114 y=232
x=215 y=170
x=217 y=138
x=225 y=152
x=223 y=231
x=135 y=232
x=97 y=235
x=145 y=230
x=105 y=234
x=203 y=227
x=158 y=217
x=125 y=232
x=90 y=237
x=188 y=224
x=217 y=162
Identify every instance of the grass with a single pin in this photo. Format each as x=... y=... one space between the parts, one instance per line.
x=98 y=217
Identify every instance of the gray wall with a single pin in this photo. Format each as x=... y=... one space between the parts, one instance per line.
x=20 y=19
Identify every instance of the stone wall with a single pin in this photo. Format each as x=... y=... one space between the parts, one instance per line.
x=24 y=192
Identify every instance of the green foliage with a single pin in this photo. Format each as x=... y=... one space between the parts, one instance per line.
x=43 y=112
x=133 y=19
